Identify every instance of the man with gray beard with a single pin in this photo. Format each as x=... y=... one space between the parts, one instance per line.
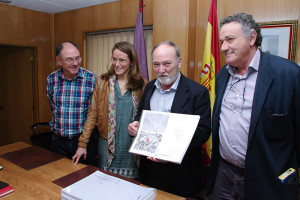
x=172 y=92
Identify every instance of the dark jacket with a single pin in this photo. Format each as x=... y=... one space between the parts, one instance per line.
x=184 y=179
x=274 y=133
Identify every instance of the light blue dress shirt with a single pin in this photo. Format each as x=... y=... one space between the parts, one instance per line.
x=162 y=100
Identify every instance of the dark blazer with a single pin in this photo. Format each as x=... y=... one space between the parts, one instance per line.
x=274 y=133
x=184 y=179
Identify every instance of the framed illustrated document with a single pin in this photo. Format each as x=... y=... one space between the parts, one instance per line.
x=279 y=38
x=165 y=136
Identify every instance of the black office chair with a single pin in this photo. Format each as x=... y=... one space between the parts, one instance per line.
x=41 y=139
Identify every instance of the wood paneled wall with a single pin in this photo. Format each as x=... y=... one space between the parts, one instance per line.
x=175 y=20
x=183 y=21
x=22 y=27
x=73 y=25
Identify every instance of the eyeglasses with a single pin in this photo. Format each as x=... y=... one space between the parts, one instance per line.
x=238 y=106
x=71 y=60
x=121 y=60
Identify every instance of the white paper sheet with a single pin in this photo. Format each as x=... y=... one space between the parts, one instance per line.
x=165 y=136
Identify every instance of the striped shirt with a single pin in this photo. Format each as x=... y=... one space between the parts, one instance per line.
x=69 y=101
x=235 y=116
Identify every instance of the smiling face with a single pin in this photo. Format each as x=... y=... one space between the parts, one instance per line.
x=69 y=52
x=121 y=63
x=166 y=65
x=237 y=49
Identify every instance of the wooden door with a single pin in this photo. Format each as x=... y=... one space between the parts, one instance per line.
x=16 y=94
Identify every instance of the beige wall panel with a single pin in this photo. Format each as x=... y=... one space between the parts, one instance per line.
x=128 y=12
x=176 y=20
x=147 y=12
x=191 y=39
x=24 y=27
x=170 y=22
x=129 y=9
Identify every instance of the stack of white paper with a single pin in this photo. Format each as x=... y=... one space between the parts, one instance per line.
x=102 y=186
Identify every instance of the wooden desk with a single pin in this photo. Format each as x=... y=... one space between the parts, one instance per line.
x=37 y=183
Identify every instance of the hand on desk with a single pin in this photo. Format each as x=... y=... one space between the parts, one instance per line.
x=80 y=151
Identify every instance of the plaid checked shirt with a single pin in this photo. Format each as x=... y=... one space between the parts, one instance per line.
x=69 y=101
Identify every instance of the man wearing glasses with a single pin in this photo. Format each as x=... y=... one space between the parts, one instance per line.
x=256 y=119
x=69 y=91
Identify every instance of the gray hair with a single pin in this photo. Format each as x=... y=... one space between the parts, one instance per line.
x=170 y=43
x=248 y=25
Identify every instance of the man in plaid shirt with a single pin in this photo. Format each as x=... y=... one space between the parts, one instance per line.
x=69 y=91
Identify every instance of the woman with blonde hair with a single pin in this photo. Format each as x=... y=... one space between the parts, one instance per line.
x=114 y=104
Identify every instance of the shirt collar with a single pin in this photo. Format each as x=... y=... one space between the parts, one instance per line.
x=173 y=87
x=79 y=74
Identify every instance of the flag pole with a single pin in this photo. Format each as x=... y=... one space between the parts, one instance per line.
x=141 y=7
x=139 y=41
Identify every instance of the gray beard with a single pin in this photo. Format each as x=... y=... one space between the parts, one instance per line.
x=168 y=80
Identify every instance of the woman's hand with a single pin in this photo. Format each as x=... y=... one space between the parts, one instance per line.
x=80 y=151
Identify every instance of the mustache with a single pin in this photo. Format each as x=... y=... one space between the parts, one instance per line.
x=164 y=74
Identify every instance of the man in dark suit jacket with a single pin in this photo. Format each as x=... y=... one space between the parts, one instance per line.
x=173 y=92
x=256 y=118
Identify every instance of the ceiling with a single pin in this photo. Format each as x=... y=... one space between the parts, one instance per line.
x=54 y=6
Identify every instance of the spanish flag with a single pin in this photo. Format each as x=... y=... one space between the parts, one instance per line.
x=211 y=64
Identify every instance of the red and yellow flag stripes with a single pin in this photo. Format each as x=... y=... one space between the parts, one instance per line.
x=211 y=60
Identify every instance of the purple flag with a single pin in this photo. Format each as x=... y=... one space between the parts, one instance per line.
x=139 y=44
